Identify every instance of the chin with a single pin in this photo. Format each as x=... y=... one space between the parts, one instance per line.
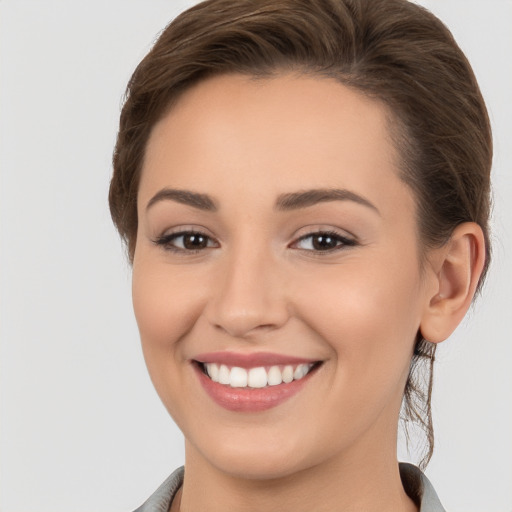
x=257 y=466
x=258 y=459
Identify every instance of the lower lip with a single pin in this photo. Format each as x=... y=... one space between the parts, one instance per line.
x=250 y=399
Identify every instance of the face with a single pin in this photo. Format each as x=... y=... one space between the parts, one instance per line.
x=276 y=277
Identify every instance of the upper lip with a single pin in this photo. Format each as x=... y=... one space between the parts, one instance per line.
x=251 y=360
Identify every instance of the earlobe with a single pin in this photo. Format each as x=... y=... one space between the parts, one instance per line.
x=458 y=267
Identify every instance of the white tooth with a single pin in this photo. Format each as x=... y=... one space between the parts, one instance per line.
x=275 y=376
x=257 y=377
x=223 y=374
x=213 y=371
x=300 y=371
x=288 y=374
x=238 y=377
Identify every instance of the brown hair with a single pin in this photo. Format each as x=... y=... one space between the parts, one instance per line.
x=392 y=50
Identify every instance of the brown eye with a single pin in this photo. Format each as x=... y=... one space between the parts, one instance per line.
x=323 y=242
x=186 y=241
x=193 y=241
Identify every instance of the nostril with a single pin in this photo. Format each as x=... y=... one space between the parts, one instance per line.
x=243 y=327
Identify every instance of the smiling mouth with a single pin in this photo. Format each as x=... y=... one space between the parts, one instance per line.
x=256 y=377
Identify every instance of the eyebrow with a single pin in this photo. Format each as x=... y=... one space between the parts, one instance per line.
x=187 y=197
x=285 y=202
x=304 y=199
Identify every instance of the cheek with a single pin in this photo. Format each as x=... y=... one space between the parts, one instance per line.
x=369 y=319
x=166 y=305
x=368 y=311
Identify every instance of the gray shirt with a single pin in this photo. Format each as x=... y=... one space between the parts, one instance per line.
x=415 y=483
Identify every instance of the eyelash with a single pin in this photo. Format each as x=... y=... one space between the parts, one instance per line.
x=166 y=241
x=341 y=241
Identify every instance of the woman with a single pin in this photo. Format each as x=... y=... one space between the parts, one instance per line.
x=303 y=187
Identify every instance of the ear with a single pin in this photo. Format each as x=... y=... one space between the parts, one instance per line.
x=456 y=269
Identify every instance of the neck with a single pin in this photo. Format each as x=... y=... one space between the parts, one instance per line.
x=366 y=480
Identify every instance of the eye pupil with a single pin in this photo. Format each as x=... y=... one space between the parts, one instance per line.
x=324 y=242
x=195 y=241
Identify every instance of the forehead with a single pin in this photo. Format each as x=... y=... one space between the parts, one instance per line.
x=269 y=136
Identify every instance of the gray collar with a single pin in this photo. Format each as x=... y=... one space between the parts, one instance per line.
x=415 y=483
x=419 y=488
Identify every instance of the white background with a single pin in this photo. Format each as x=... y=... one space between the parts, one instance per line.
x=81 y=427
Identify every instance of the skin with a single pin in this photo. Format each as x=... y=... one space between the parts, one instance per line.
x=260 y=285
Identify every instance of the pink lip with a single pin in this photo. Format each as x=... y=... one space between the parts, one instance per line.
x=250 y=399
x=250 y=360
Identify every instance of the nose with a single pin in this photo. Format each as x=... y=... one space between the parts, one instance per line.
x=249 y=296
